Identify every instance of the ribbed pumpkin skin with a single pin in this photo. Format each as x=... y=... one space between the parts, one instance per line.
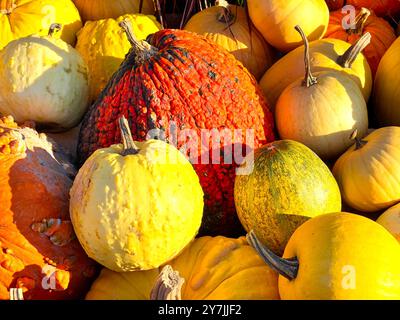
x=380 y=7
x=288 y=185
x=21 y=18
x=381 y=31
x=103 y=45
x=34 y=185
x=334 y=4
x=390 y=220
x=103 y=9
x=213 y=268
x=207 y=89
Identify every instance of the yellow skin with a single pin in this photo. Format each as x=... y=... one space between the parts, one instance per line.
x=343 y=256
x=103 y=45
x=369 y=178
x=387 y=87
x=276 y=19
x=240 y=39
x=136 y=212
x=44 y=80
x=390 y=219
x=21 y=18
x=213 y=268
x=324 y=115
x=323 y=54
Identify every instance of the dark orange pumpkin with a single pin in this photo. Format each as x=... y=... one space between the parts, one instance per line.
x=382 y=33
x=334 y=4
x=380 y=7
x=38 y=249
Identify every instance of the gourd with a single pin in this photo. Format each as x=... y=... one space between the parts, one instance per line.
x=321 y=112
x=275 y=19
x=44 y=80
x=281 y=186
x=135 y=206
x=337 y=256
x=390 y=219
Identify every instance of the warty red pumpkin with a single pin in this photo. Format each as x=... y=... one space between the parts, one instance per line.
x=184 y=79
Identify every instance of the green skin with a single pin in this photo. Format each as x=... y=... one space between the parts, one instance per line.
x=289 y=184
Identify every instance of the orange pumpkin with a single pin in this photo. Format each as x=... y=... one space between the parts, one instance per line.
x=382 y=33
x=38 y=250
x=380 y=7
x=334 y=4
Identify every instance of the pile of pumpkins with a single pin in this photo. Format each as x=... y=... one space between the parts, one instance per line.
x=106 y=191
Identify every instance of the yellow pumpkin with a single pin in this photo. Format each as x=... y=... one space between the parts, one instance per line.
x=325 y=55
x=43 y=79
x=321 y=112
x=104 y=9
x=276 y=19
x=21 y=18
x=368 y=174
x=337 y=256
x=390 y=219
x=213 y=268
x=137 y=205
x=103 y=45
x=387 y=87
x=228 y=26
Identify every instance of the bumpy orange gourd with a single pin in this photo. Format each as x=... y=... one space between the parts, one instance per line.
x=38 y=249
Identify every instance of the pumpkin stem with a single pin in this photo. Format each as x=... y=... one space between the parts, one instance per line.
x=143 y=50
x=287 y=268
x=127 y=140
x=309 y=79
x=347 y=59
x=226 y=15
x=168 y=285
x=359 y=142
x=54 y=27
x=360 y=21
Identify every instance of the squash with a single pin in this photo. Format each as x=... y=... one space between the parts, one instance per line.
x=368 y=173
x=39 y=253
x=103 y=45
x=105 y=9
x=210 y=97
x=325 y=55
x=228 y=26
x=276 y=19
x=321 y=112
x=137 y=205
x=53 y=90
x=213 y=268
x=380 y=7
x=282 y=185
x=382 y=33
x=21 y=18
x=337 y=256
x=390 y=219
x=386 y=88
x=334 y=4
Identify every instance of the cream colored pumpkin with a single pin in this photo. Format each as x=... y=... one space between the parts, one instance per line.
x=43 y=79
x=103 y=45
x=368 y=174
x=228 y=26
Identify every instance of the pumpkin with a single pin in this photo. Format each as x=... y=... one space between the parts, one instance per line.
x=276 y=19
x=387 y=86
x=21 y=18
x=185 y=89
x=105 y=9
x=134 y=206
x=53 y=90
x=325 y=55
x=321 y=112
x=67 y=141
x=228 y=26
x=334 y=4
x=213 y=268
x=368 y=173
x=282 y=185
x=39 y=253
x=103 y=45
x=390 y=219
x=380 y=7
x=382 y=33
x=337 y=256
